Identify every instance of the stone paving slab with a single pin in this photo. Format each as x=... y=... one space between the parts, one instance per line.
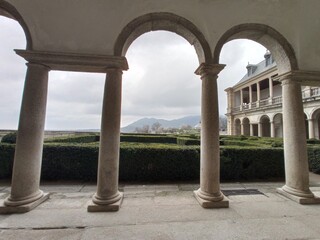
x=164 y=212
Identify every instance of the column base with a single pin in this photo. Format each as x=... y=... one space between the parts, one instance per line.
x=4 y=209
x=299 y=199
x=112 y=207
x=214 y=202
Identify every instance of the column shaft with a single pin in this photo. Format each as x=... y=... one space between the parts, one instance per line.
x=241 y=99
x=258 y=94
x=108 y=166
x=272 y=130
x=241 y=128
x=209 y=194
x=270 y=88
x=259 y=129
x=250 y=96
x=28 y=153
x=311 y=128
x=251 y=130
x=295 y=148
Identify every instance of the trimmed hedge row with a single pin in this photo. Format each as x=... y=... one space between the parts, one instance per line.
x=151 y=162
x=314 y=159
x=188 y=141
x=75 y=139
x=148 y=139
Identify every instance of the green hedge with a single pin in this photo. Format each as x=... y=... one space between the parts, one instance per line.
x=151 y=162
x=9 y=138
x=251 y=163
x=6 y=160
x=148 y=139
x=74 y=139
x=188 y=141
x=314 y=159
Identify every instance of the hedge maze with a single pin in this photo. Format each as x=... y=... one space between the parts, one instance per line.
x=145 y=157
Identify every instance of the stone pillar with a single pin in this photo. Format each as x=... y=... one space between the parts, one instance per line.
x=311 y=128
x=270 y=88
x=251 y=129
x=295 y=147
x=107 y=197
x=241 y=99
x=272 y=130
x=241 y=128
x=209 y=194
x=25 y=193
x=258 y=94
x=250 y=96
x=259 y=129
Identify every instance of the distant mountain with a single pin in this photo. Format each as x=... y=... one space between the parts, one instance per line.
x=176 y=123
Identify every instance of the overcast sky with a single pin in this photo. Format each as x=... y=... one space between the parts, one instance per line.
x=160 y=82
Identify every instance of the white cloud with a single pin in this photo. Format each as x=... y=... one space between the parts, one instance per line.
x=160 y=82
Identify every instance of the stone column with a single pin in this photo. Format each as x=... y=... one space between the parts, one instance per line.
x=259 y=129
x=295 y=147
x=209 y=194
x=311 y=128
x=241 y=129
x=258 y=94
x=251 y=129
x=250 y=96
x=270 y=88
x=272 y=130
x=25 y=193
x=107 y=197
x=241 y=99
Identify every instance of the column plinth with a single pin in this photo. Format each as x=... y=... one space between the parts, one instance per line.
x=209 y=194
x=295 y=147
x=107 y=197
x=25 y=193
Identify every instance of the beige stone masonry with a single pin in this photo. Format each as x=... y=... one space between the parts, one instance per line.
x=209 y=194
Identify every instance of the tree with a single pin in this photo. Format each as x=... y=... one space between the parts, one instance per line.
x=156 y=127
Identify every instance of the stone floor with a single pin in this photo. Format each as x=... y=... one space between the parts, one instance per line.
x=165 y=211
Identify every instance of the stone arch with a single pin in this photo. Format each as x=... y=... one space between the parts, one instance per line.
x=278 y=125
x=163 y=21
x=246 y=126
x=265 y=126
x=274 y=41
x=8 y=10
x=237 y=126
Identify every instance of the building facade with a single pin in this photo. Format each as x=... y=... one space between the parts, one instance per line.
x=255 y=103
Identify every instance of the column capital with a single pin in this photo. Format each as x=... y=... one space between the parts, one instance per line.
x=38 y=65
x=114 y=70
x=209 y=69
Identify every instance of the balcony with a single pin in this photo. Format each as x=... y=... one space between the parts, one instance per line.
x=307 y=96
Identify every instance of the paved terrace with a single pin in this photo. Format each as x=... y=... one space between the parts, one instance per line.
x=165 y=212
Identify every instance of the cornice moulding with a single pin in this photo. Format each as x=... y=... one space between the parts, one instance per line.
x=74 y=62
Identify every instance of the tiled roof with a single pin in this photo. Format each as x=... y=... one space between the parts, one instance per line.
x=260 y=67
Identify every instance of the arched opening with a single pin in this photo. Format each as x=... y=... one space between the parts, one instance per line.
x=168 y=22
x=316 y=123
x=246 y=126
x=265 y=126
x=13 y=35
x=278 y=126
x=237 y=127
x=164 y=88
x=279 y=47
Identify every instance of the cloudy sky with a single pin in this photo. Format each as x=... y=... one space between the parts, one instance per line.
x=160 y=82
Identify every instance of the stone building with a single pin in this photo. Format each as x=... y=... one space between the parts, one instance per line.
x=255 y=103
x=94 y=36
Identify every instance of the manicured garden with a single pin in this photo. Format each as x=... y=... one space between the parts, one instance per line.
x=145 y=157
